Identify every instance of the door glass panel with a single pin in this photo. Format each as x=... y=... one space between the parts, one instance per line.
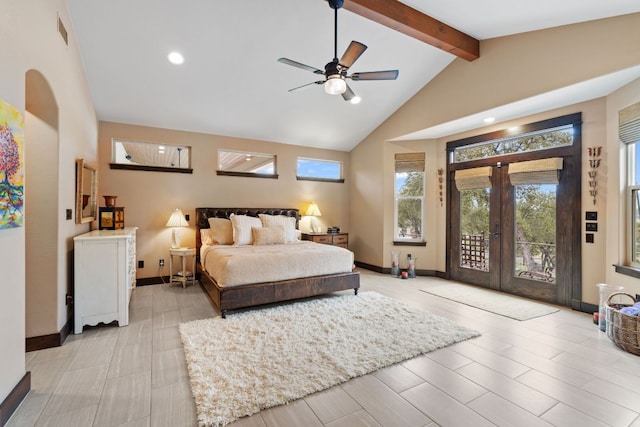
x=535 y=232
x=474 y=228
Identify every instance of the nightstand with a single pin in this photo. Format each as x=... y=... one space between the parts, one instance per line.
x=183 y=276
x=335 y=239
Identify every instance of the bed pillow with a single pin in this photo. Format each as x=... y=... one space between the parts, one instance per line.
x=206 y=236
x=267 y=236
x=286 y=223
x=242 y=225
x=221 y=231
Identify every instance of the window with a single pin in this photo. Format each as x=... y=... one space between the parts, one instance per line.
x=560 y=136
x=409 y=197
x=150 y=156
x=629 y=119
x=242 y=163
x=319 y=170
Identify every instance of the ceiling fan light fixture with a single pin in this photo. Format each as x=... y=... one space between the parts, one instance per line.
x=335 y=85
x=355 y=100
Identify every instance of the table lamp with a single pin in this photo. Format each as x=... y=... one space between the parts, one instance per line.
x=176 y=221
x=314 y=212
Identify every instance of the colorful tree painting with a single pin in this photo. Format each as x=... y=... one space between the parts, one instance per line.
x=11 y=166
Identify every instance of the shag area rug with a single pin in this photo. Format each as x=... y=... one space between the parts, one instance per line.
x=494 y=302
x=266 y=357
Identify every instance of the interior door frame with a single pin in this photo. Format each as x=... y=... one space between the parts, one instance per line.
x=569 y=219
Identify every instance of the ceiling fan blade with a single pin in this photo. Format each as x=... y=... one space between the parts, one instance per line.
x=348 y=94
x=319 y=82
x=375 y=75
x=300 y=65
x=352 y=54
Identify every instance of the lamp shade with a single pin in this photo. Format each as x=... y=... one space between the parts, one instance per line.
x=313 y=210
x=177 y=219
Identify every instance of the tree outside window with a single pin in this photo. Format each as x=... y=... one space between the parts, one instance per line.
x=409 y=197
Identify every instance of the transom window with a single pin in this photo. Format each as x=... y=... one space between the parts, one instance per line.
x=319 y=170
x=151 y=156
x=532 y=141
x=247 y=164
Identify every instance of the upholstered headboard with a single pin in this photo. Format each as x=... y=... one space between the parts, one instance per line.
x=203 y=215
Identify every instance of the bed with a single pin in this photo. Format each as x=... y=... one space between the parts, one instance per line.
x=299 y=277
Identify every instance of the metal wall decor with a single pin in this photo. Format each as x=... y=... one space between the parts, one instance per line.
x=594 y=164
x=440 y=181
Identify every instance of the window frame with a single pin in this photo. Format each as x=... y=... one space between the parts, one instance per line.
x=149 y=168
x=417 y=241
x=223 y=172
x=320 y=179
x=633 y=187
x=633 y=224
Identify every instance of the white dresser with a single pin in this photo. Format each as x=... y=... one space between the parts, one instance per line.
x=105 y=275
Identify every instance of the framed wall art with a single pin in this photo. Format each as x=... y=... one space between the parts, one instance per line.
x=11 y=166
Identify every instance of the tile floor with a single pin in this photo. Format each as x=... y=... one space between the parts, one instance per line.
x=554 y=370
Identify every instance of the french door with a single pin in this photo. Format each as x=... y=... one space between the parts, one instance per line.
x=520 y=236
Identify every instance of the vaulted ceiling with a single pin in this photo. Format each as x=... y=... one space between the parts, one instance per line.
x=231 y=83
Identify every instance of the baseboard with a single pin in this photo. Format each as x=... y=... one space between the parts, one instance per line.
x=585 y=307
x=15 y=397
x=152 y=281
x=372 y=267
x=48 y=341
x=384 y=270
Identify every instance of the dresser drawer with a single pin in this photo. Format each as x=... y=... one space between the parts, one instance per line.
x=341 y=240
x=323 y=239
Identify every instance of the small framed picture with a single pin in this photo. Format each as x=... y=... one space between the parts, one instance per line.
x=106 y=219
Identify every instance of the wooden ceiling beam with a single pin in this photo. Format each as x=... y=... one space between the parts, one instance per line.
x=400 y=17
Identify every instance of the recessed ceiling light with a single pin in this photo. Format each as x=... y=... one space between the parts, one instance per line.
x=489 y=119
x=356 y=100
x=176 y=58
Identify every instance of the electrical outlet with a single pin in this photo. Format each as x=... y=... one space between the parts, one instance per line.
x=161 y=263
x=140 y=264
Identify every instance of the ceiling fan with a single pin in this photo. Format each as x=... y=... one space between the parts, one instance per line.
x=335 y=72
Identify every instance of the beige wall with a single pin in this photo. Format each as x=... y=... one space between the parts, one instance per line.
x=509 y=69
x=150 y=197
x=617 y=224
x=28 y=29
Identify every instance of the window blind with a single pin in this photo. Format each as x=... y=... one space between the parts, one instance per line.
x=543 y=171
x=629 y=124
x=409 y=162
x=473 y=179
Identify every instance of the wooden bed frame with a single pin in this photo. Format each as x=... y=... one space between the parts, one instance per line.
x=235 y=297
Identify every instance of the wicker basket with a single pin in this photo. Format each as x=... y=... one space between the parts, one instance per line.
x=623 y=328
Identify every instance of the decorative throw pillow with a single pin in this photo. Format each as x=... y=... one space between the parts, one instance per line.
x=267 y=236
x=221 y=231
x=206 y=236
x=242 y=225
x=286 y=223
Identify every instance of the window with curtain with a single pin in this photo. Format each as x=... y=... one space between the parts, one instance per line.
x=409 y=197
x=629 y=130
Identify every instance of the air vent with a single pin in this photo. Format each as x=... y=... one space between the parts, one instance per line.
x=63 y=32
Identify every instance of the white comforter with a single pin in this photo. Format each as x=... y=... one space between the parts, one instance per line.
x=240 y=265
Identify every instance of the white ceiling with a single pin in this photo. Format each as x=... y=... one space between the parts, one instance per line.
x=231 y=83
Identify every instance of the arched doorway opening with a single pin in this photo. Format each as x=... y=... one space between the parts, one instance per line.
x=41 y=208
